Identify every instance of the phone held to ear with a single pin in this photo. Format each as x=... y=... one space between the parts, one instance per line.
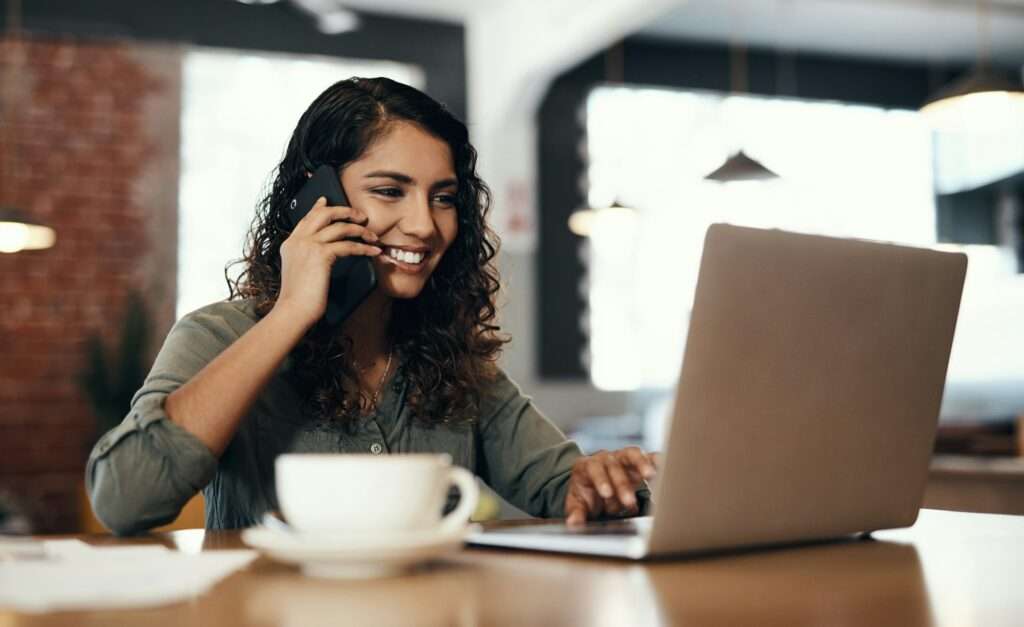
x=353 y=277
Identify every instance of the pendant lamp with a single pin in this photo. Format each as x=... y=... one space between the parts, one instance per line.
x=978 y=94
x=17 y=230
x=581 y=222
x=739 y=166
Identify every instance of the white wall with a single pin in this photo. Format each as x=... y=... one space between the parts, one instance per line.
x=514 y=51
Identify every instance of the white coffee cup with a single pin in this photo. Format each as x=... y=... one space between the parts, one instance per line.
x=372 y=493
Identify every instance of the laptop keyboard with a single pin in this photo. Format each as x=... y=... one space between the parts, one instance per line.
x=626 y=527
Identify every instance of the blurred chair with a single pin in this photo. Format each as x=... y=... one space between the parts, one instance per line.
x=13 y=519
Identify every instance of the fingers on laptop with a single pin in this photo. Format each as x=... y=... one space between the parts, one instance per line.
x=578 y=504
x=595 y=471
x=625 y=488
x=644 y=463
x=582 y=500
x=605 y=483
x=614 y=481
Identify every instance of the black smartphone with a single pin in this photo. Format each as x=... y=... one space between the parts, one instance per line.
x=352 y=278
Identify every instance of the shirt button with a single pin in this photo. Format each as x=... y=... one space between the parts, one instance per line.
x=376 y=448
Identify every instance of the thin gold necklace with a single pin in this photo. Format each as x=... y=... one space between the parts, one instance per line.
x=380 y=384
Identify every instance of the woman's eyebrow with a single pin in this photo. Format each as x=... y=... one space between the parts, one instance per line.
x=408 y=180
x=450 y=182
x=386 y=174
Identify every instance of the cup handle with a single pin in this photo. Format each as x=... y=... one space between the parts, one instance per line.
x=469 y=493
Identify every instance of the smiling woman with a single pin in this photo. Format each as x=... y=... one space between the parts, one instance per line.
x=228 y=151
x=406 y=175
x=412 y=369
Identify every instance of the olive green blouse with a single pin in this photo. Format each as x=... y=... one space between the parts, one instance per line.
x=142 y=472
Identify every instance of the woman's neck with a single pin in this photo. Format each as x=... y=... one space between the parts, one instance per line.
x=367 y=328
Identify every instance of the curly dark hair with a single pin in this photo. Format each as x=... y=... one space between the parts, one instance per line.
x=447 y=336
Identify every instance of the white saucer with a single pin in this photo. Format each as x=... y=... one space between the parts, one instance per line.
x=337 y=556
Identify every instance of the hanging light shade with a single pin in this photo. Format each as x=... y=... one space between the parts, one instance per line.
x=740 y=167
x=581 y=222
x=982 y=97
x=17 y=232
x=974 y=96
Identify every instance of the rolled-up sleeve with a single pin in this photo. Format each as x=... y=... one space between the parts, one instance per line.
x=142 y=472
x=524 y=457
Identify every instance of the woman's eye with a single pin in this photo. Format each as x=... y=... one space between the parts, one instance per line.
x=445 y=199
x=390 y=192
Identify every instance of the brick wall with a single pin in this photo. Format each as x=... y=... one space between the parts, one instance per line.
x=96 y=137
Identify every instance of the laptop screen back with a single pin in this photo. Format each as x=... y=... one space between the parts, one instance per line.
x=810 y=389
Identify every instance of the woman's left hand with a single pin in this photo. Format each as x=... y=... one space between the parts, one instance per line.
x=605 y=484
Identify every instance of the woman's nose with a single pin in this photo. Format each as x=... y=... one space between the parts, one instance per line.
x=417 y=219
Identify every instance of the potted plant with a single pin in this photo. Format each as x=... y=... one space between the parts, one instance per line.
x=111 y=377
x=109 y=380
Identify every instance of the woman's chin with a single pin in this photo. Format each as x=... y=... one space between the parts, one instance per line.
x=402 y=295
x=397 y=283
x=402 y=288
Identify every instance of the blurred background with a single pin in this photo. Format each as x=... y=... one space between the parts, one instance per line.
x=137 y=137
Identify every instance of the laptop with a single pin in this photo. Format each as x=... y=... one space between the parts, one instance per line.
x=807 y=402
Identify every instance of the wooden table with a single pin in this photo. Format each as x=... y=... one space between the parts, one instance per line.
x=949 y=569
x=977 y=484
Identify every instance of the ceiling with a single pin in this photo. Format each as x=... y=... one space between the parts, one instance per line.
x=911 y=30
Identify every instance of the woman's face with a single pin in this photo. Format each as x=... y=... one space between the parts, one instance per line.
x=405 y=182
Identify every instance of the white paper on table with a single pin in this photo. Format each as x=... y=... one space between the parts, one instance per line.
x=68 y=549
x=77 y=576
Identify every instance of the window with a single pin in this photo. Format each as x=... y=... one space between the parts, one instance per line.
x=846 y=170
x=238 y=112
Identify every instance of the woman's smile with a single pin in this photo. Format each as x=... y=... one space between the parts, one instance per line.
x=412 y=261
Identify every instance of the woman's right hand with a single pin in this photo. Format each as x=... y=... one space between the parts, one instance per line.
x=322 y=236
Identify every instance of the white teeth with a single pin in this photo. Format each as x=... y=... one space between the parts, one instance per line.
x=405 y=255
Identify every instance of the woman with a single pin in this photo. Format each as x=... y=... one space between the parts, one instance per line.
x=412 y=369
